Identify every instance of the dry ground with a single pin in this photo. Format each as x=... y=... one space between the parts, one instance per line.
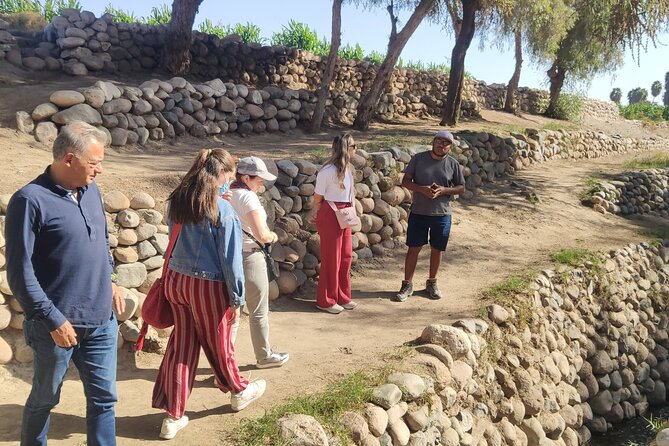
x=495 y=235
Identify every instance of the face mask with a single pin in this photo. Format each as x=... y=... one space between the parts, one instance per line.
x=223 y=189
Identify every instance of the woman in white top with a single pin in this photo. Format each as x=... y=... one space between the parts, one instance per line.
x=334 y=184
x=251 y=171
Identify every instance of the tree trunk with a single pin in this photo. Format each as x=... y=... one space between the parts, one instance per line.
x=556 y=74
x=176 y=56
x=512 y=88
x=451 y=112
x=330 y=65
x=367 y=105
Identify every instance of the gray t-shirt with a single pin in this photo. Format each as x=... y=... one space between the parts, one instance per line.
x=425 y=170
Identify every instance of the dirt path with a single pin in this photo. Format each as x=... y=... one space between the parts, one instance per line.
x=497 y=234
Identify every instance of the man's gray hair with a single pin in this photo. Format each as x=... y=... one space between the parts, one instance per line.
x=76 y=138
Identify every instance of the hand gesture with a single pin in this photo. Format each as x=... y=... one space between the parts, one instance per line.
x=438 y=190
x=65 y=336
x=227 y=195
x=427 y=191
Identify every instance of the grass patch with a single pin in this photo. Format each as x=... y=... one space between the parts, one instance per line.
x=657 y=161
x=574 y=256
x=591 y=187
x=320 y=153
x=385 y=142
x=506 y=294
x=347 y=394
x=656 y=424
x=555 y=126
x=656 y=235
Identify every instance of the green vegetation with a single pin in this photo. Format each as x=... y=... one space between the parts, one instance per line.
x=120 y=15
x=346 y=394
x=568 y=107
x=249 y=32
x=387 y=141
x=657 y=161
x=47 y=9
x=656 y=234
x=645 y=111
x=506 y=294
x=656 y=424
x=592 y=185
x=160 y=15
x=575 y=257
x=298 y=35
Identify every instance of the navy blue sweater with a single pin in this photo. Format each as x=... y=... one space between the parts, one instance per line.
x=58 y=261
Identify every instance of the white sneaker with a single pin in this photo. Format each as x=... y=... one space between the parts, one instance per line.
x=253 y=391
x=276 y=359
x=350 y=306
x=335 y=309
x=171 y=426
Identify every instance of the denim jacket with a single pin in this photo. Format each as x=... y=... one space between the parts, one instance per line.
x=213 y=252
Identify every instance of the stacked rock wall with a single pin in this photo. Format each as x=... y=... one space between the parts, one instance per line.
x=641 y=192
x=6 y=40
x=79 y=43
x=159 y=109
x=581 y=350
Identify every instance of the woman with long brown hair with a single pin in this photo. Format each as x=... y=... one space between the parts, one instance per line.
x=204 y=285
x=335 y=185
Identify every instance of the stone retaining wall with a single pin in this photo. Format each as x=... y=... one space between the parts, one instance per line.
x=628 y=193
x=6 y=40
x=78 y=43
x=583 y=349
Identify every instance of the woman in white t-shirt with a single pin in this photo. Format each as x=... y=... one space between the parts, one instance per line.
x=335 y=185
x=251 y=171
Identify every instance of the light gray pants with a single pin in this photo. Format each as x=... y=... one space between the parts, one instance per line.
x=257 y=303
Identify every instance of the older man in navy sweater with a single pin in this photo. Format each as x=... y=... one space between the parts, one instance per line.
x=59 y=268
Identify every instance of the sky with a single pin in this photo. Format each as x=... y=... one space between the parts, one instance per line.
x=431 y=43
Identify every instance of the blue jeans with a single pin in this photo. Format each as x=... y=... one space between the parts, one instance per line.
x=95 y=358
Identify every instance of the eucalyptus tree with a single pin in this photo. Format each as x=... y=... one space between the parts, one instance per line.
x=179 y=36
x=666 y=89
x=330 y=65
x=539 y=26
x=603 y=29
x=396 y=42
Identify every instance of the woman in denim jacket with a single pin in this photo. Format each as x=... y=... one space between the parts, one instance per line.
x=204 y=284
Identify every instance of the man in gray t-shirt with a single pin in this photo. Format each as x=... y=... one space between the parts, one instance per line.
x=433 y=177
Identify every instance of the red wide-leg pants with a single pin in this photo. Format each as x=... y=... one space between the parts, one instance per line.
x=334 y=281
x=201 y=319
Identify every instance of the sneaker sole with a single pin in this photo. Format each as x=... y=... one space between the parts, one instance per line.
x=168 y=436
x=272 y=365
x=329 y=310
x=245 y=405
x=398 y=299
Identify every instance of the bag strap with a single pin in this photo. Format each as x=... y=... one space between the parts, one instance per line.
x=249 y=235
x=176 y=229
x=351 y=196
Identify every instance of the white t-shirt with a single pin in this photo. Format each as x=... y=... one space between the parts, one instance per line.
x=327 y=184
x=245 y=201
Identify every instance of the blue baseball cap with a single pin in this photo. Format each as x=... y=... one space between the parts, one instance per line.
x=443 y=134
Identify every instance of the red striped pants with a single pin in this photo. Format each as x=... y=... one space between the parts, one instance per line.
x=334 y=279
x=201 y=319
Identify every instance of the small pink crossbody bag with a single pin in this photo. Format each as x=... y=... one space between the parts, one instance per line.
x=347 y=217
